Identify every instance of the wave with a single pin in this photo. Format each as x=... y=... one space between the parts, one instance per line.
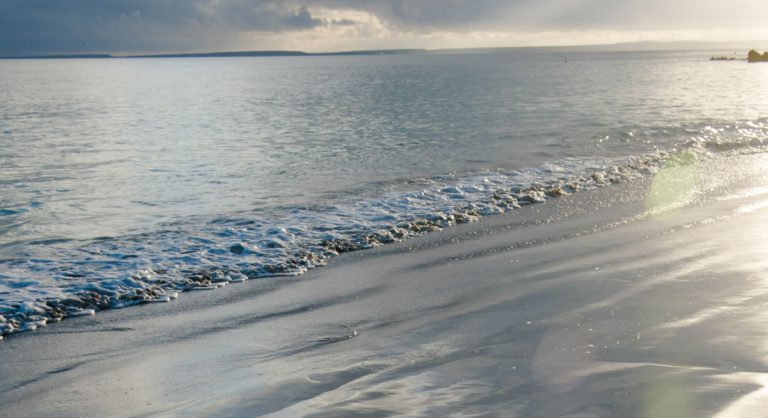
x=53 y=281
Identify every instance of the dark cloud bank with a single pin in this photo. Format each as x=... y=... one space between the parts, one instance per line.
x=55 y=26
x=136 y=25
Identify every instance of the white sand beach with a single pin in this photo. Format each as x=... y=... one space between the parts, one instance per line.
x=596 y=304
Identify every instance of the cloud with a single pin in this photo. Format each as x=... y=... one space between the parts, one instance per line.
x=423 y=15
x=50 y=26
x=142 y=25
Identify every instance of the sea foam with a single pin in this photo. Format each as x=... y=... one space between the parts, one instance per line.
x=119 y=272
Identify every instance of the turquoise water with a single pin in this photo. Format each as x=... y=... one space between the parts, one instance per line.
x=127 y=180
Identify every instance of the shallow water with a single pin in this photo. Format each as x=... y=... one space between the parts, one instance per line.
x=126 y=180
x=592 y=305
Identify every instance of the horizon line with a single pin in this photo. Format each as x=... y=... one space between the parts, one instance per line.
x=638 y=46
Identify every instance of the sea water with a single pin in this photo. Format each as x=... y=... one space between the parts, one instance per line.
x=125 y=181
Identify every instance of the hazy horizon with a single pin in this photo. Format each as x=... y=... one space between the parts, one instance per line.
x=123 y=27
x=641 y=46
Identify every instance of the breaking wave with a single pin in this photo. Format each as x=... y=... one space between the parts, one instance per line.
x=63 y=280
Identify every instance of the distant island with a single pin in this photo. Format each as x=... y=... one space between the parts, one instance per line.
x=754 y=56
x=725 y=58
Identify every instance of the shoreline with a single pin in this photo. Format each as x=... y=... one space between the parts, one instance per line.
x=458 y=202
x=579 y=305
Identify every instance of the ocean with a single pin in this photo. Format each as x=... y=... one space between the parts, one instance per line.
x=130 y=181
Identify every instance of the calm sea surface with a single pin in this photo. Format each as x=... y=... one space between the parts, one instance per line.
x=126 y=177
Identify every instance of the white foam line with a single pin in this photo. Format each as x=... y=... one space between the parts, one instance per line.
x=126 y=304
x=84 y=312
x=160 y=299
x=752 y=207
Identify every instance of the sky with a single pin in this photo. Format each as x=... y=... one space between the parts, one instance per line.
x=141 y=26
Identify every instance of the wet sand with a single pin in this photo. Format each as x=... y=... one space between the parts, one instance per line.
x=597 y=304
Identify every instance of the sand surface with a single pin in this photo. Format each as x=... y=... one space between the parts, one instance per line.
x=602 y=303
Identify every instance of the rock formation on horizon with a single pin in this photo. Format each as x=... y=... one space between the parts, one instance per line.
x=754 y=56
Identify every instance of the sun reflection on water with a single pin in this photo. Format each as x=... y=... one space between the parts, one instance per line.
x=675 y=184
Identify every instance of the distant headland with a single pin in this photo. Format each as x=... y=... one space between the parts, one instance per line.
x=648 y=46
x=754 y=56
